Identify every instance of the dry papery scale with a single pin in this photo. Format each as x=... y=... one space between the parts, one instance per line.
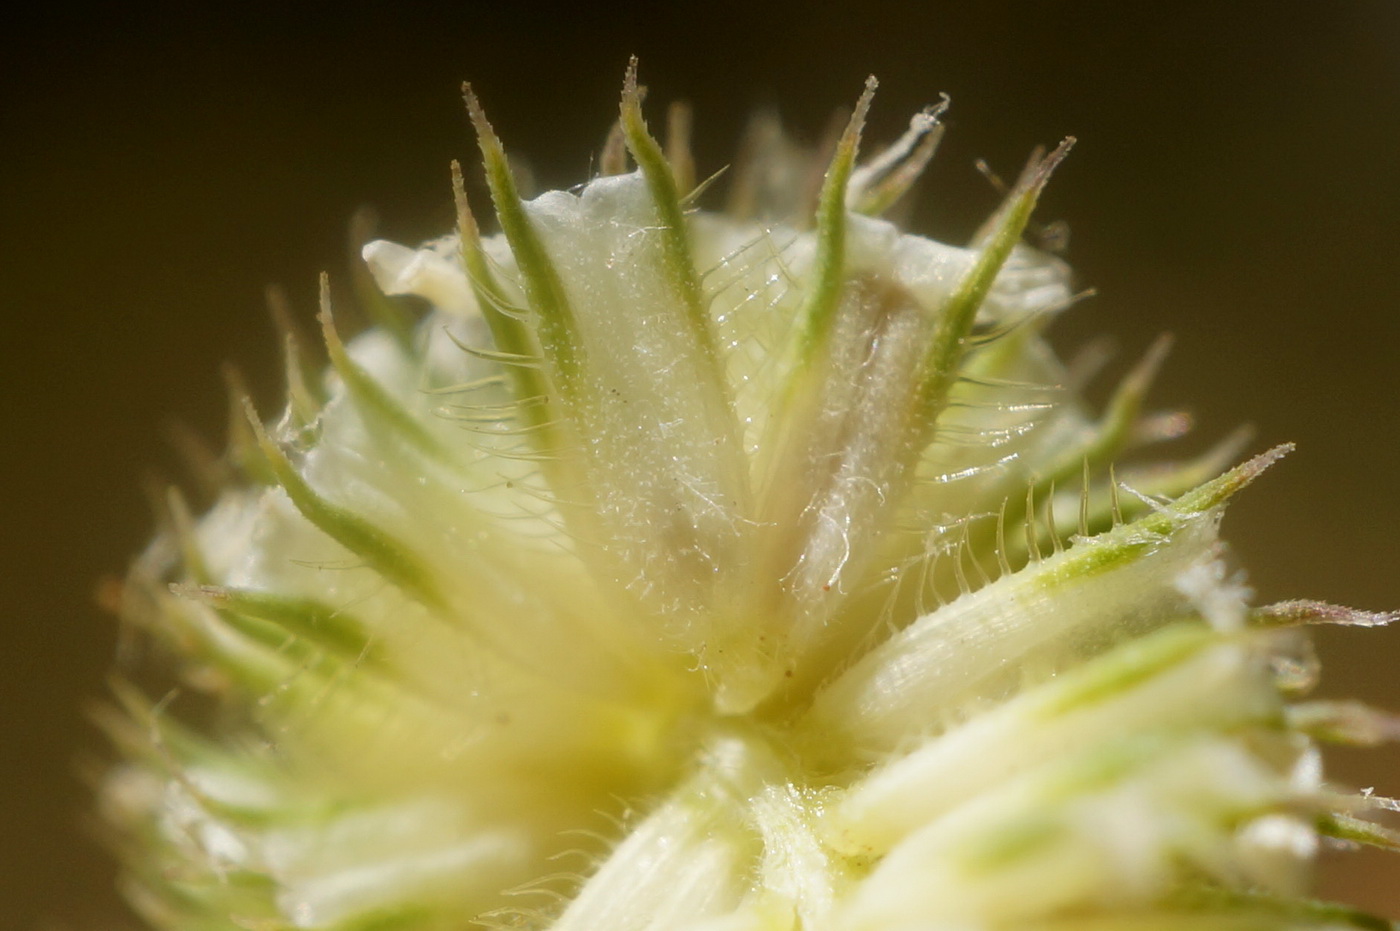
x=667 y=568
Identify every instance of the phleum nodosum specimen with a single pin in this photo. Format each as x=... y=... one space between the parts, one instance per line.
x=755 y=569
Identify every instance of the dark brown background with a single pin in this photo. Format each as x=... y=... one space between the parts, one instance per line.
x=1237 y=182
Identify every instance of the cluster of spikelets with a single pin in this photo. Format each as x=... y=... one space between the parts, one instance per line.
x=686 y=570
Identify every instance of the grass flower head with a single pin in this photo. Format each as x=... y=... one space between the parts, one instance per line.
x=692 y=570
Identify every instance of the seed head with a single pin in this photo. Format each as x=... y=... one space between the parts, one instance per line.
x=694 y=570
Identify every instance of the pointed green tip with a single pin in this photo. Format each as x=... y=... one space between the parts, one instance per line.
x=486 y=136
x=1215 y=493
x=553 y=315
x=1004 y=229
x=1131 y=541
x=383 y=553
x=660 y=177
x=831 y=229
x=368 y=394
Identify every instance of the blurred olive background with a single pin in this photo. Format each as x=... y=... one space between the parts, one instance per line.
x=1237 y=182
